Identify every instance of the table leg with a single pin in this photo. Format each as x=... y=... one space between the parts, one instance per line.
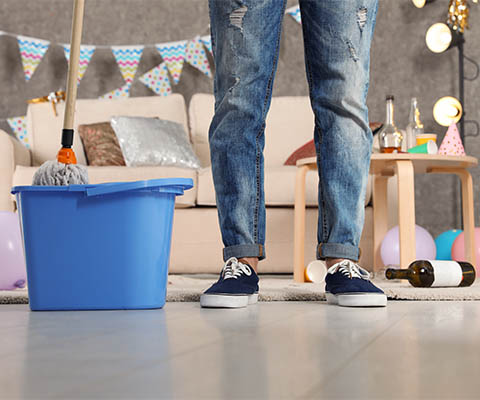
x=467 y=209
x=468 y=215
x=380 y=218
x=299 y=226
x=406 y=211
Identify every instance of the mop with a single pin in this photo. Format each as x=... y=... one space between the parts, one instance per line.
x=64 y=170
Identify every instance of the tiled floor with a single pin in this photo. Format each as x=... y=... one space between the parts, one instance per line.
x=409 y=350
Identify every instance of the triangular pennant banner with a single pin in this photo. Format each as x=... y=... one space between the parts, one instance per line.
x=197 y=57
x=295 y=13
x=122 y=92
x=19 y=128
x=173 y=53
x=86 y=53
x=452 y=143
x=32 y=51
x=157 y=80
x=128 y=58
x=207 y=41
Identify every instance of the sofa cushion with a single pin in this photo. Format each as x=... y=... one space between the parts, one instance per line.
x=279 y=187
x=289 y=125
x=24 y=176
x=45 y=129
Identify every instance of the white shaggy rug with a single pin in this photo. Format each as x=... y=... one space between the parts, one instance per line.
x=283 y=288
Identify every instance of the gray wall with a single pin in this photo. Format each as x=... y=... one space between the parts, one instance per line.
x=401 y=65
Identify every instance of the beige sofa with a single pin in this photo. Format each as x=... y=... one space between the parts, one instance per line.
x=196 y=242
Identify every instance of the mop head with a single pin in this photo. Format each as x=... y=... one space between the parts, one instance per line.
x=54 y=173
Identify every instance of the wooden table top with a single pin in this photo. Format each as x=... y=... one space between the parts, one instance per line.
x=422 y=163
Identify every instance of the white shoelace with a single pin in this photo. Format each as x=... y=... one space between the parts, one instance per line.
x=350 y=269
x=234 y=268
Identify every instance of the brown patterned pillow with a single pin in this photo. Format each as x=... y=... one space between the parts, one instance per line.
x=308 y=149
x=101 y=144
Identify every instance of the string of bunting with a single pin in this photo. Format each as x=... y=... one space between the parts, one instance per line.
x=174 y=54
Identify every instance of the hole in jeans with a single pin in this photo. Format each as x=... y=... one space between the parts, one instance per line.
x=353 y=52
x=361 y=17
x=236 y=17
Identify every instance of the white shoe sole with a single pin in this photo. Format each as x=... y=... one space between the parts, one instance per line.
x=358 y=299
x=227 y=301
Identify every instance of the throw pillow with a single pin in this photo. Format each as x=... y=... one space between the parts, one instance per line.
x=153 y=141
x=100 y=144
x=308 y=149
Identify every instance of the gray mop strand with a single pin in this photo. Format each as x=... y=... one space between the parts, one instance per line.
x=54 y=173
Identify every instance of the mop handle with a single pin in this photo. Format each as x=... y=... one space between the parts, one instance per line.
x=73 y=65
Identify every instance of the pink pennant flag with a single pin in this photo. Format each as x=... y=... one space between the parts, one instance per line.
x=197 y=57
x=207 y=41
x=19 y=128
x=452 y=143
x=295 y=13
x=32 y=51
x=120 y=93
x=157 y=80
x=128 y=58
x=173 y=54
x=86 y=53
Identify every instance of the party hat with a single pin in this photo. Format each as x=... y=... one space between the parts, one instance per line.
x=452 y=144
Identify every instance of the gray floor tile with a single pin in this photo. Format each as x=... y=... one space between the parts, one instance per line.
x=273 y=360
x=432 y=353
x=268 y=351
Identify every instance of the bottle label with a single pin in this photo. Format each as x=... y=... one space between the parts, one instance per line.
x=446 y=273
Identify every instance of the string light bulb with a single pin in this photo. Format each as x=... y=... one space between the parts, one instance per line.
x=439 y=37
x=447 y=110
x=421 y=3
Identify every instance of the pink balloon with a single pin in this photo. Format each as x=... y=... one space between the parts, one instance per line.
x=13 y=273
x=458 y=247
x=424 y=246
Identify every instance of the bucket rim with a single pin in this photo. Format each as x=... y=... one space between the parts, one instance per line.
x=112 y=187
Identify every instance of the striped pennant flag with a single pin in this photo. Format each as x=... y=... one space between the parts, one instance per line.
x=207 y=41
x=157 y=80
x=86 y=53
x=173 y=54
x=295 y=13
x=128 y=58
x=32 y=51
x=19 y=128
x=197 y=57
x=120 y=93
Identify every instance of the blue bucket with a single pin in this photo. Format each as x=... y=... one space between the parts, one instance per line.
x=104 y=246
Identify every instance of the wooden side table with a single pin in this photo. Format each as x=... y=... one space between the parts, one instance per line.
x=382 y=166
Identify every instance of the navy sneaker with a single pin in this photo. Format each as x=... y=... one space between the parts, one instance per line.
x=237 y=287
x=348 y=285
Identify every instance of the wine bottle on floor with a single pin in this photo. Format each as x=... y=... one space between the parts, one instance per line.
x=435 y=273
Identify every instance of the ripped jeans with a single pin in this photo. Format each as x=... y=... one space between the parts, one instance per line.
x=337 y=35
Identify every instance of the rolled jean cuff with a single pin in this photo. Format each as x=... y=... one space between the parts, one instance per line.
x=244 y=250
x=338 y=250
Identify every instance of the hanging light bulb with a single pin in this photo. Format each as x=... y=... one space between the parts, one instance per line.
x=421 y=3
x=447 y=110
x=439 y=37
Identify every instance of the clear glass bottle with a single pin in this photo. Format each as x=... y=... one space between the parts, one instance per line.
x=390 y=138
x=435 y=273
x=415 y=126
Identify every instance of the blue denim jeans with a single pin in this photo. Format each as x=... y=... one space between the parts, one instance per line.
x=337 y=36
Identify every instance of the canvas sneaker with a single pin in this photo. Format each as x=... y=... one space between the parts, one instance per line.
x=237 y=287
x=348 y=285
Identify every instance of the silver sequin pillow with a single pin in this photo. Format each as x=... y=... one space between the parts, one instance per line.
x=153 y=141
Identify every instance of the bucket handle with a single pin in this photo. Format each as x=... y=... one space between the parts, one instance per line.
x=159 y=187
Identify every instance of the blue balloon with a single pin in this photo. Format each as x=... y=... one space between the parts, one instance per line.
x=444 y=243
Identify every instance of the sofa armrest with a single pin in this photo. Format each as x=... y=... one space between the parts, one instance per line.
x=12 y=153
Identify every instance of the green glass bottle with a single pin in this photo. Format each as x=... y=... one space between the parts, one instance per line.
x=435 y=273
